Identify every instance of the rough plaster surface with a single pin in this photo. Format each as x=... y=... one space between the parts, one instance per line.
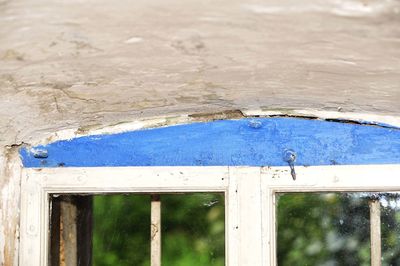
x=82 y=64
x=70 y=64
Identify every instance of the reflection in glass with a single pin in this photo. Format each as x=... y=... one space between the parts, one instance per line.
x=192 y=229
x=323 y=229
x=390 y=218
x=121 y=230
x=334 y=228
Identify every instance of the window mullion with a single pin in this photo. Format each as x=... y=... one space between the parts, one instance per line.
x=248 y=229
x=268 y=220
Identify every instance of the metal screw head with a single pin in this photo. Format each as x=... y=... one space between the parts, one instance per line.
x=40 y=153
x=255 y=124
x=289 y=156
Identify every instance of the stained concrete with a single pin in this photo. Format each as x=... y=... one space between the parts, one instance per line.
x=65 y=64
x=81 y=64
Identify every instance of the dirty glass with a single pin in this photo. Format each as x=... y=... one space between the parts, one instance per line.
x=334 y=228
x=121 y=230
x=193 y=231
x=390 y=226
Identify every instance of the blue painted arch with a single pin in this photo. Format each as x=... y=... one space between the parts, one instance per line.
x=247 y=142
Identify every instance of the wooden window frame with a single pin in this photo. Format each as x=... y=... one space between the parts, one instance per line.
x=250 y=194
x=338 y=178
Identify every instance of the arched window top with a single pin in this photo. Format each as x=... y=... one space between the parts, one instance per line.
x=247 y=142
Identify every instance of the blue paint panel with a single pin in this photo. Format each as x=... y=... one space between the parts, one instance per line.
x=252 y=142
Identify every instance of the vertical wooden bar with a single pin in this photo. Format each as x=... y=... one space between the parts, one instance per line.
x=71 y=231
x=54 y=258
x=84 y=229
x=155 y=231
x=68 y=232
x=375 y=224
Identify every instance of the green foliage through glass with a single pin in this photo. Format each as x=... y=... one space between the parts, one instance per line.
x=333 y=229
x=193 y=229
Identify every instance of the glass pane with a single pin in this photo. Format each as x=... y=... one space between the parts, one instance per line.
x=334 y=228
x=121 y=230
x=193 y=229
x=323 y=229
x=390 y=219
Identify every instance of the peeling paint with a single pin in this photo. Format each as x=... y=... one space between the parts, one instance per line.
x=227 y=114
x=9 y=203
x=361 y=118
x=228 y=142
x=162 y=121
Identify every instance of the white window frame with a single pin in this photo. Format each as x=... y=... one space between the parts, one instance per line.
x=338 y=178
x=250 y=194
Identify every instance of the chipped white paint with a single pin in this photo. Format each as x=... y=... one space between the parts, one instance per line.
x=163 y=121
x=356 y=117
x=9 y=207
x=66 y=134
x=249 y=195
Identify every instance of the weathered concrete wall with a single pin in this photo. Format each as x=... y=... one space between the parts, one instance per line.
x=87 y=64
x=79 y=63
